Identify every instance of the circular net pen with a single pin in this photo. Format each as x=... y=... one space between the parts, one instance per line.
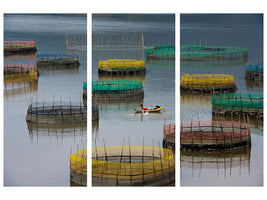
x=169 y=135
x=78 y=168
x=254 y=72
x=121 y=66
x=161 y=52
x=13 y=47
x=198 y=52
x=57 y=59
x=85 y=93
x=117 y=90
x=238 y=103
x=214 y=135
x=29 y=77
x=57 y=113
x=207 y=83
x=12 y=69
x=130 y=165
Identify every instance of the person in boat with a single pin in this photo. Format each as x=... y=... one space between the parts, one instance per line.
x=142 y=107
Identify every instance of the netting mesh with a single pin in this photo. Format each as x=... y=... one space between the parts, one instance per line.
x=78 y=162
x=214 y=134
x=207 y=80
x=169 y=129
x=198 y=52
x=169 y=135
x=121 y=64
x=57 y=108
x=119 y=85
x=15 y=68
x=57 y=112
x=131 y=165
x=56 y=56
x=84 y=86
x=238 y=101
x=255 y=68
x=167 y=51
x=31 y=76
x=57 y=59
x=15 y=45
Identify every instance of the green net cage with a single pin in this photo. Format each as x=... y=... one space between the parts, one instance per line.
x=198 y=52
x=237 y=102
x=167 y=51
x=115 y=86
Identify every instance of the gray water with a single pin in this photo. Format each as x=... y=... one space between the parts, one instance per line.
x=41 y=157
x=244 y=31
x=117 y=120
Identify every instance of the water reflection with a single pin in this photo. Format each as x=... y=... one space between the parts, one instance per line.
x=13 y=90
x=134 y=77
x=227 y=164
x=210 y=64
x=52 y=70
x=254 y=85
x=195 y=105
x=57 y=132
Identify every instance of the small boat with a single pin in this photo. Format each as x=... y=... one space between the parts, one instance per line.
x=156 y=109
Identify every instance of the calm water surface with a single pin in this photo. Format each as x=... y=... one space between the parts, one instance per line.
x=39 y=156
x=118 y=120
x=230 y=168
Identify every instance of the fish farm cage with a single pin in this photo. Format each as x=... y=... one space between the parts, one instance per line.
x=198 y=52
x=121 y=66
x=95 y=112
x=130 y=165
x=238 y=103
x=57 y=59
x=21 y=56
x=31 y=76
x=207 y=83
x=161 y=52
x=57 y=112
x=11 y=69
x=13 y=47
x=169 y=135
x=78 y=168
x=85 y=92
x=106 y=45
x=117 y=90
x=254 y=72
x=214 y=135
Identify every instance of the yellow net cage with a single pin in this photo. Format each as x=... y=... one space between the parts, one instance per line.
x=130 y=164
x=78 y=162
x=121 y=64
x=32 y=76
x=207 y=80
